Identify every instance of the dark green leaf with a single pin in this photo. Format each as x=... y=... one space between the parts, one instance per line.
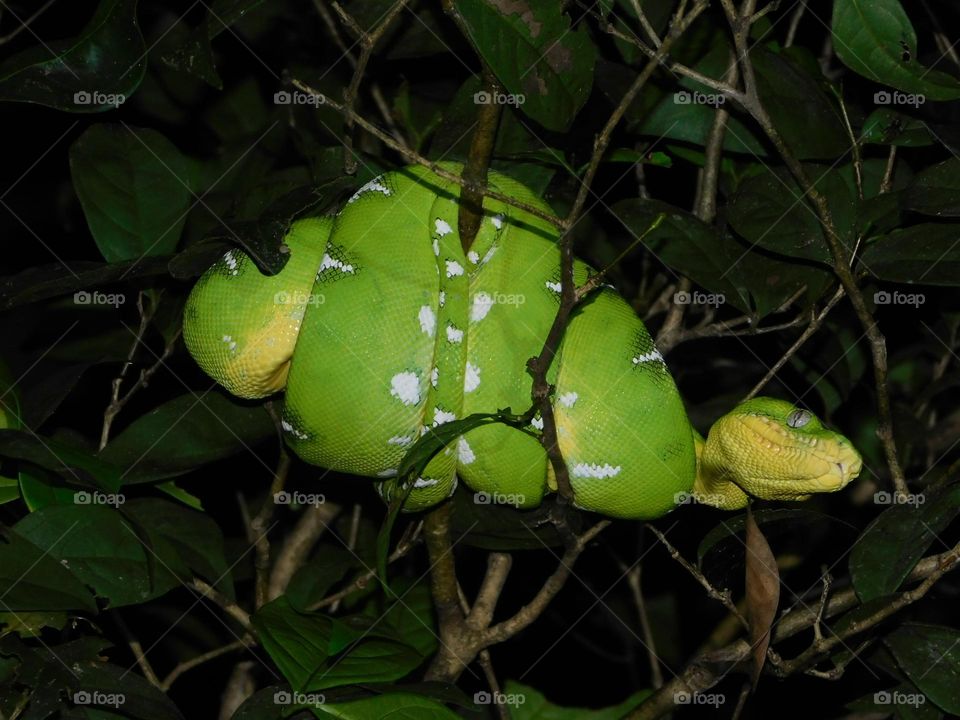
x=927 y=254
x=395 y=706
x=185 y=433
x=687 y=245
x=46 y=281
x=179 y=536
x=930 y=656
x=803 y=114
x=95 y=71
x=936 y=190
x=876 y=39
x=312 y=580
x=71 y=463
x=299 y=643
x=771 y=211
x=32 y=580
x=889 y=127
x=535 y=54
x=370 y=660
x=101 y=549
x=135 y=189
x=892 y=544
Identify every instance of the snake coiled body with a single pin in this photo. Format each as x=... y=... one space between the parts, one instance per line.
x=380 y=326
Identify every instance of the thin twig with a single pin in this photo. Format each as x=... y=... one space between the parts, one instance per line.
x=186 y=665
x=721 y=596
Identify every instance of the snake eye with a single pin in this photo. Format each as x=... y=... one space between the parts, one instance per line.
x=798 y=418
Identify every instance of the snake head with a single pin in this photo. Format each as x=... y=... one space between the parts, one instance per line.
x=773 y=450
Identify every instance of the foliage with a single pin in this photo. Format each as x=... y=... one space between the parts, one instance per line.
x=161 y=557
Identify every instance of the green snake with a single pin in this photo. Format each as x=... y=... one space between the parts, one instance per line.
x=380 y=326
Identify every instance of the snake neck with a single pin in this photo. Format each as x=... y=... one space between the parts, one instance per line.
x=712 y=485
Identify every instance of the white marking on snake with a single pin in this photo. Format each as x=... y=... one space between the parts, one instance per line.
x=490 y=252
x=434 y=376
x=464 y=452
x=329 y=262
x=442 y=416
x=454 y=334
x=454 y=268
x=497 y=221
x=442 y=227
x=568 y=399
x=471 y=378
x=436 y=247
x=299 y=434
x=592 y=470
x=424 y=483
x=428 y=321
x=473 y=257
x=400 y=440
x=555 y=286
x=231 y=343
x=231 y=260
x=405 y=386
x=374 y=184
x=389 y=472
x=648 y=357
x=537 y=423
x=482 y=302
x=443 y=298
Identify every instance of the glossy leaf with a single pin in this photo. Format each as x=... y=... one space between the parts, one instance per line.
x=936 y=190
x=892 y=544
x=925 y=254
x=33 y=580
x=101 y=549
x=370 y=660
x=299 y=643
x=930 y=656
x=393 y=705
x=135 y=189
x=72 y=464
x=535 y=54
x=92 y=72
x=876 y=39
x=185 y=433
